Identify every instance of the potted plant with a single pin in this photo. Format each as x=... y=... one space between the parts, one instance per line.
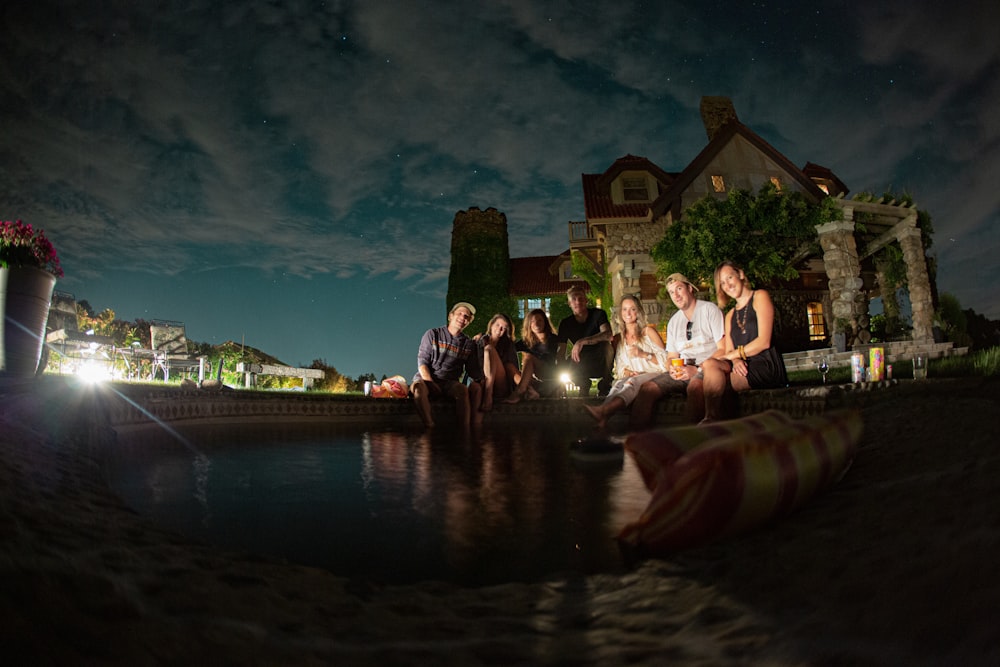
x=29 y=267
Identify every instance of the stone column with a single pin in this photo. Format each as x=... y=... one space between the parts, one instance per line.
x=843 y=272
x=918 y=283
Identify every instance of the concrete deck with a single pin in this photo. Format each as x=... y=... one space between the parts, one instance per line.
x=125 y=404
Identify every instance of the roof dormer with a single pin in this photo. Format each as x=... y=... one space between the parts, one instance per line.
x=634 y=187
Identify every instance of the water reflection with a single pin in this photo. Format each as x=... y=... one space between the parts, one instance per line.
x=394 y=506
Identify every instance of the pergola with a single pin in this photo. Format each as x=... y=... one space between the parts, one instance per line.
x=886 y=222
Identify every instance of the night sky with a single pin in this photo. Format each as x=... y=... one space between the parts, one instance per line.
x=286 y=173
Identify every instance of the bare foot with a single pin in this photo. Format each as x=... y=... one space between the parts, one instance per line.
x=533 y=395
x=486 y=406
x=512 y=399
x=598 y=414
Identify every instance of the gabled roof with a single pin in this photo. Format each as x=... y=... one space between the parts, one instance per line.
x=597 y=200
x=671 y=199
x=539 y=276
x=818 y=171
x=631 y=162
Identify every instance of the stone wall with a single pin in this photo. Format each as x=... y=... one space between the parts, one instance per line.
x=791 y=330
x=633 y=238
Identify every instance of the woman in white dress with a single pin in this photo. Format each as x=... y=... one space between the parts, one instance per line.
x=640 y=355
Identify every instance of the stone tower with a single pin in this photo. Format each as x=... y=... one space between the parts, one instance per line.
x=480 y=265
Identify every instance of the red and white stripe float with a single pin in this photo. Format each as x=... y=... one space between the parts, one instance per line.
x=723 y=479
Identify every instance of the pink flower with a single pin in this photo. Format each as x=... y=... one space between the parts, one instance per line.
x=20 y=245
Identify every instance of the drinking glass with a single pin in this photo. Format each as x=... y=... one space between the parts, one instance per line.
x=919 y=367
x=824 y=368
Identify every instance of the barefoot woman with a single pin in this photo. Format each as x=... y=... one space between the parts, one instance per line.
x=640 y=356
x=749 y=359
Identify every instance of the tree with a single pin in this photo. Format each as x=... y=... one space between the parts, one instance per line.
x=952 y=320
x=764 y=234
x=600 y=286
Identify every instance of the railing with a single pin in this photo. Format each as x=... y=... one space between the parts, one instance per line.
x=579 y=231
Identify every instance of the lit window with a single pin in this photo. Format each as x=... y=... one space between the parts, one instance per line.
x=527 y=305
x=817 y=325
x=776 y=182
x=719 y=183
x=823 y=187
x=634 y=189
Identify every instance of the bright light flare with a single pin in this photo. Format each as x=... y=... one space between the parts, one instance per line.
x=93 y=372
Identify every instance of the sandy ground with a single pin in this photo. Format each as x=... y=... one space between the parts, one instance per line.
x=897 y=565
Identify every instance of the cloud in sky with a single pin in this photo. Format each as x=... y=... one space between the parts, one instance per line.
x=331 y=143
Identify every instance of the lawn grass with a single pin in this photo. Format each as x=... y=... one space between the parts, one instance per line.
x=979 y=363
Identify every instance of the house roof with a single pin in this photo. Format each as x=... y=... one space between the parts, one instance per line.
x=818 y=171
x=597 y=201
x=671 y=199
x=539 y=276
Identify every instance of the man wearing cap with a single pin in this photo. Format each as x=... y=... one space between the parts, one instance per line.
x=694 y=333
x=445 y=352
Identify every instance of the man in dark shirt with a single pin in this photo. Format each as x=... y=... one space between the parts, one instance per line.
x=589 y=332
x=445 y=352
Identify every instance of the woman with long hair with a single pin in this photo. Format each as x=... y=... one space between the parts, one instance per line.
x=499 y=360
x=538 y=348
x=640 y=356
x=749 y=359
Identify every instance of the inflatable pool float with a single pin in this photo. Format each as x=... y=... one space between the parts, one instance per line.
x=727 y=478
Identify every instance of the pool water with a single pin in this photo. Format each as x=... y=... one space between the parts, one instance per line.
x=392 y=506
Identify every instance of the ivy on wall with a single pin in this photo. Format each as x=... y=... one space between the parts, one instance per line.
x=480 y=273
x=761 y=233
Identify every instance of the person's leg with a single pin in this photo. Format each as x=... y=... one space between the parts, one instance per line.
x=475 y=396
x=496 y=378
x=422 y=402
x=731 y=398
x=694 y=407
x=716 y=374
x=490 y=359
x=641 y=416
x=601 y=413
x=644 y=406
x=512 y=377
x=607 y=369
x=598 y=363
x=460 y=393
x=524 y=385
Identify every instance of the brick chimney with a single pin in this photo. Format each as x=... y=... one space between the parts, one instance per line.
x=716 y=112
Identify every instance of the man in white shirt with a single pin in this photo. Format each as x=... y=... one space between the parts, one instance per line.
x=694 y=333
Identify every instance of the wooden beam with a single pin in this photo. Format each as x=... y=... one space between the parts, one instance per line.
x=888 y=236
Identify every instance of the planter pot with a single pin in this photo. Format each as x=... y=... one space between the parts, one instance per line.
x=25 y=295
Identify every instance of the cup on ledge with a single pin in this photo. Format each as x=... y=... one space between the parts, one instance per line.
x=919 y=367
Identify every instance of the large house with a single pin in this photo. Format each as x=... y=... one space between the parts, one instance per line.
x=629 y=206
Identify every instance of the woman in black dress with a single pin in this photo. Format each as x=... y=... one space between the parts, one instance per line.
x=749 y=359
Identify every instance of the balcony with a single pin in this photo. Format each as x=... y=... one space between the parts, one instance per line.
x=581 y=236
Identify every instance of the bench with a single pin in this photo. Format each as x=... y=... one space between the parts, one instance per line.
x=251 y=371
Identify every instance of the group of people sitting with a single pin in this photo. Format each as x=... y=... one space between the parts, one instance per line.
x=707 y=355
